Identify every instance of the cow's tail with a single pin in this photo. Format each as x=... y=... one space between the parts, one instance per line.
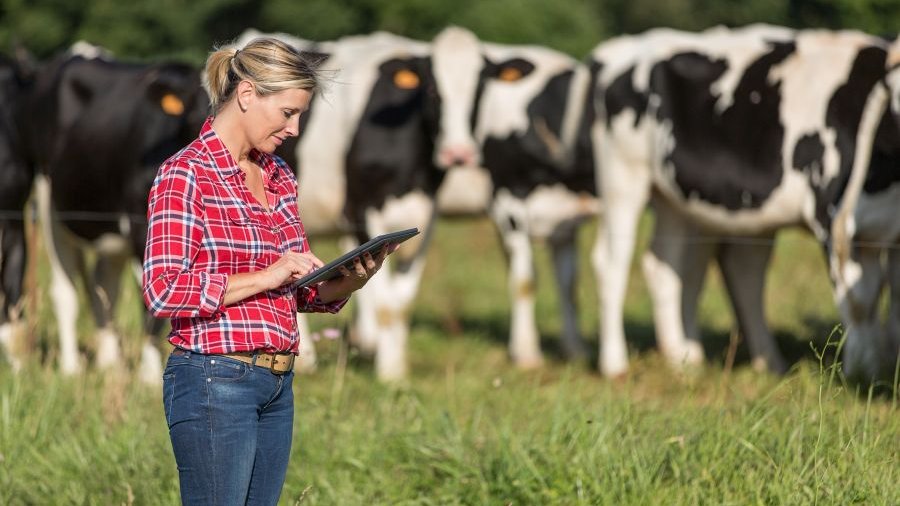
x=843 y=226
x=575 y=110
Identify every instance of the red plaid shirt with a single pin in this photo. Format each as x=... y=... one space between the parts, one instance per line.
x=204 y=224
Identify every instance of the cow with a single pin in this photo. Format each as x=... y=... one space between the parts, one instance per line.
x=741 y=133
x=524 y=94
x=528 y=120
x=534 y=130
x=374 y=147
x=96 y=131
x=16 y=178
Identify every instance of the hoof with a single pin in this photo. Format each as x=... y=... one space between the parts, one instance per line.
x=530 y=363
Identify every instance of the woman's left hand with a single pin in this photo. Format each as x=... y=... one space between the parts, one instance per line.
x=363 y=268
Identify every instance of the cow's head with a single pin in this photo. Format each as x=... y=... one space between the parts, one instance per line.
x=175 y=101
x=533 y=97
x=458 y=67
x=173 y=106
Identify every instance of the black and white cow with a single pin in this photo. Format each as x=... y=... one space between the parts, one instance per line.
x=16 y=177
x=373 y=149
x=528 y=121
x=365 y=168
x=534 y=129
x=97 y=130
x=742 y=132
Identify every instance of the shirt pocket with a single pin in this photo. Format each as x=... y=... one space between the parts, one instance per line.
x=233 y=238
x=245 y=241
x=289 y=224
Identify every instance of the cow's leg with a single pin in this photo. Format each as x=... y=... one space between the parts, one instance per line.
x=564 y=245
x=663 y=265
x=511 y=217
x=624 y=189
x=151 y=366
x=893 y=318
x=858 y=293
x=364 y=330
x=393 y=290
x=695 y=263
x=744 y=267
x=307 y=360
x=65 y=261
x=104 y=295
x=364 y=327
x=12 y=269
x=393 y=317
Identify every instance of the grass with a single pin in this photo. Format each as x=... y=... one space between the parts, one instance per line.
x=470 y=429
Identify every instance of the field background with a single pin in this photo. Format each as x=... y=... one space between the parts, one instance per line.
x=470 y=429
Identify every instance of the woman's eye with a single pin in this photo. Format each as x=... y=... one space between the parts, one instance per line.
x=287 y=114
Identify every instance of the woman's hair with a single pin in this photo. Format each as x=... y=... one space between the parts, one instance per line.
x=270 y=64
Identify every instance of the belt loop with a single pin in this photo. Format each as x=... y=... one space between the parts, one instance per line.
x=253 y=358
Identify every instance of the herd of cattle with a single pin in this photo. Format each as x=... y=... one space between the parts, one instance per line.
x=726 y=133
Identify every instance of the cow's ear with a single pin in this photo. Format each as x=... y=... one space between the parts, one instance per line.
x=314 y=58
x=512 y=70
x=406 y=79
x=165 y=98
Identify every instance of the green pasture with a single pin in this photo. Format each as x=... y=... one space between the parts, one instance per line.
x=468 y=428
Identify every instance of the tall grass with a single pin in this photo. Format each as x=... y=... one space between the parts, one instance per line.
x=470 y=429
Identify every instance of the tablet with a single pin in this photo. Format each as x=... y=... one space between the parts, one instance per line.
x=373 y=246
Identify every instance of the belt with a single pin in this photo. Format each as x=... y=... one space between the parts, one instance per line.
x=277 y=363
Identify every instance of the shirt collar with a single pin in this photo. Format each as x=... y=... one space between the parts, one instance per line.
x=224 y=162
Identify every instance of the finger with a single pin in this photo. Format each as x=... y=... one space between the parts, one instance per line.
x=309 y=258
x=359 y=268
x=369 y=262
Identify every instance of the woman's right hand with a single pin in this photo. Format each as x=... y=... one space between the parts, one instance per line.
x=290 y=267
x=286 y=269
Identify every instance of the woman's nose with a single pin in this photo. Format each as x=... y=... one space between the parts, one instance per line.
x=293 y=127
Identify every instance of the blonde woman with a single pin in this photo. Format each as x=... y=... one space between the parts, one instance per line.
x=224 y=244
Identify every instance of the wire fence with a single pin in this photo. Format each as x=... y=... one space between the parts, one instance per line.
x=768 y=240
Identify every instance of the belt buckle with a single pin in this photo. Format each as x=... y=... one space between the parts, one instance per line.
x=275 y=361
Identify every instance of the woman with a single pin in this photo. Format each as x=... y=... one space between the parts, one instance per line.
x=224 y=243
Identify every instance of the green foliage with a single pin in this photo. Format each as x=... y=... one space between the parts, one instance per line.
x=313 y=19
x=572 y=26
x=187 y=29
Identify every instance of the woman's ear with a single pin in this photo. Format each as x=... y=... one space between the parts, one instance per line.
x=245 y=94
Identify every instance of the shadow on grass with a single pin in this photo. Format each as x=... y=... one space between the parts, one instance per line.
x=794 y=348
x=495 y=328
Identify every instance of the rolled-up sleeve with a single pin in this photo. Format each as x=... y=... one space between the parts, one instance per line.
x=308 y=301
x=171 y=288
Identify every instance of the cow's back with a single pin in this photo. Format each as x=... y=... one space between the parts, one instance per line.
x=746 y=130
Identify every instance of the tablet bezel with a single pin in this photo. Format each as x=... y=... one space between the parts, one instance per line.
x=331 y=269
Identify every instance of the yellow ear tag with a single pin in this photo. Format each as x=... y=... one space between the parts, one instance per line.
x=172 y=105
x=510 y=74
x=406 y=79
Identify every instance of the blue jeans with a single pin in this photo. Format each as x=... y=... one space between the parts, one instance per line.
x=231 y=425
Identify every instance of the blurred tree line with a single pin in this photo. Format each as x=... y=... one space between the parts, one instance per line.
x=187 y=29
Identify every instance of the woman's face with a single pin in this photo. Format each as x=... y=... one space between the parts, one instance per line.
x=272 y=118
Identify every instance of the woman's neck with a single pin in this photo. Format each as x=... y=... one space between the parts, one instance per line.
x=226 y=124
